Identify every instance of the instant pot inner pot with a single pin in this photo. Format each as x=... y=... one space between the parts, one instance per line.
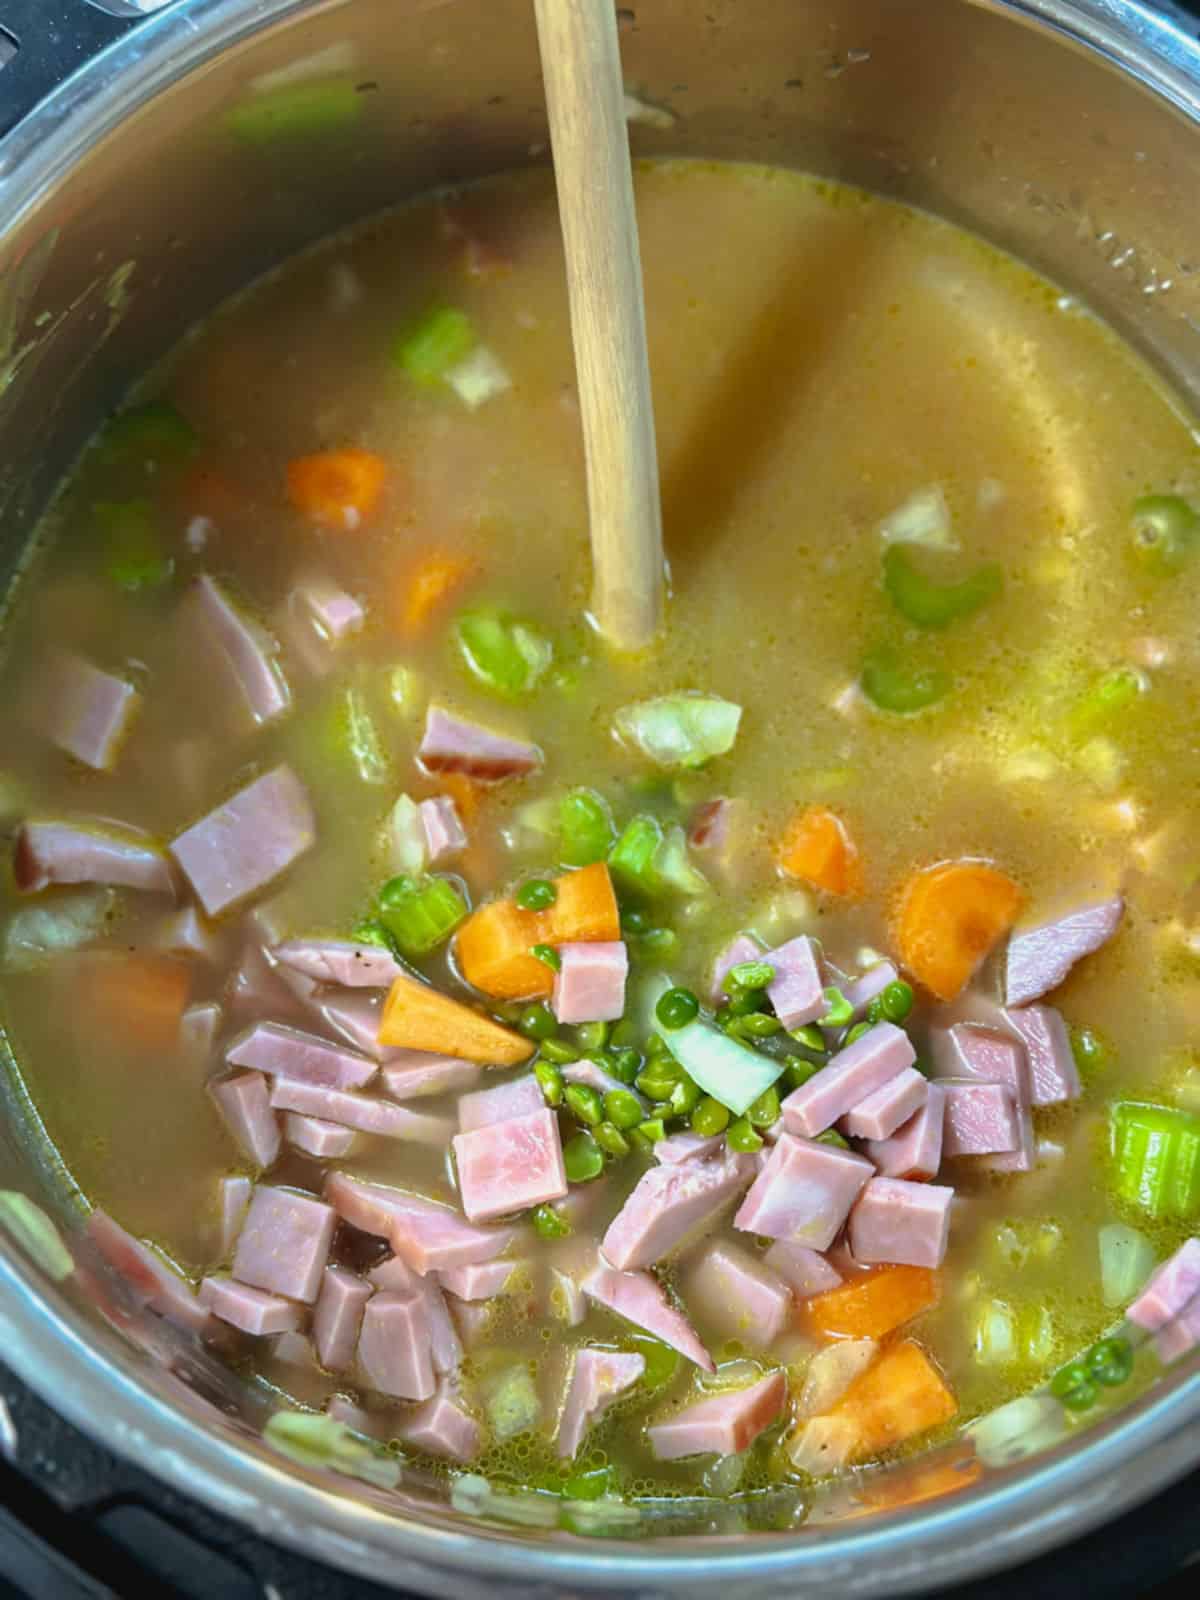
x=135 y=215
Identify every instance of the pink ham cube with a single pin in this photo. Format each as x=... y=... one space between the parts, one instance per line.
x=244 y=1102
x=248 y=1309
x=233 y=1199
x=1040 y=958
x=598 y=1378
x=853 y=1074
x=915 y=1149
x=724 y=1424
x=1052 y=1070
x=340 y=961
x=745 y=947
x=797 y=990
x=739 y=1294
x=980 y=1119
x=444 y=834
x=84 y=711
x=670 y=1203
x=393 y=1346
x=442 y=1428
x=396 y=1277
x=1170 y=1291
x=484 y=1280
x=324 y=1141
x=246 y=843
x=338 y=1316
x=519 y=1098
x=640 y=1299
x=284 y=1243
x=688 y=1147
x=415 y=1074
x=589 y=985
x=361 y=1111
x=509 y=1166
x=806 y=1272
x=905 y=1224
x=881 y=1113
x=803 y=1193
x=426 y=1235
x=290 y=1053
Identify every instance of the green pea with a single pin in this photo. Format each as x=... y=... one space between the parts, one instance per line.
x=626 y=1064
x=856 y=1032
x=810 y=1036
x=624 y=1034
x=743 y=1136
x=685 y=1097
x=1166 y=532
x=677 y=1008
x=536 y=895
x=584 y=1103
x=662 y=1363
x=652 y=1130
x=764 y=1113
x=658 y=942
x=622 y=1109
x=744 y=1002
x=758 y=1025
x=592 y=1036
x=559 y=1051
x=838 y=1009
x=658 y=1080
x=1074 y=1386
x=797 y=1071
x=656 y=1045
x=896 y=1001
x=750 y=975
x=551 y=1081
x=548 y=954
x=610 y=1138
x=371 y=932
x=710 y=1117
x=548 y=1224
x=1110 y=1362
x=634 y=920
x=583 y=1159
x=538 y=1021
x=833 y=1137
x=875 y=1010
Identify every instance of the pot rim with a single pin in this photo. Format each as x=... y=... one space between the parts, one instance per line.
x=50 y=1344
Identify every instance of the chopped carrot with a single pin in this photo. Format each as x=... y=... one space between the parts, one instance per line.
x=434 y=579
x=466 y=794
x=950 y=917
x=902 y=1395
x=817 y=847
x=135 y=997
x=494 y=942
x=416 y=1017
x=337 y=489
x=872 y=1304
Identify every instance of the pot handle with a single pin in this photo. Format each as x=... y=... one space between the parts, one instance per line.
x=52 y=39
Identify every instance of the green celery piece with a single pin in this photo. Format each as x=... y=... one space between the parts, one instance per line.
x=134 y=557
x=505 y=655
x=154 y=432
x=438 y=342
x=671 y=868
x=936 y=605
x=585 y=827
x=319 y=1441
x=892 y=686
x=36 y=1234
x=296 y=110
x=1108 y=699
x=1166 y=532
x=362 y=739
x=725 y=1069
x=1156 y=1157
x=423 y=917
x=680 y=730
x=631 y=860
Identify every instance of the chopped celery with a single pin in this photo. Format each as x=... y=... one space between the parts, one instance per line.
x=134 y=557
x=320 y=1441
x=362 y=739
x=298 y=110
x=1109 y=697
x=420 y=913
x=1166 y=532
x=1127 y=1258
x=994 y=1334
x=36 y=1234
x=441 y=339
x=892 y=686
x=513 y=1406
x=680 y=730
x=935 y=605
x=1156 y=1156
x=154 y=432
x=728 y=1071
x=672 y=869
x=586 y=828
x=631 y=861
x=507 y=656
x=590 y=1485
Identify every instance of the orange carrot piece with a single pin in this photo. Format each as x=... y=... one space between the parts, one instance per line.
x=585 y=911
x=434 y=579
x=900 y=1396
x=817 y=847
x=337 y=489
x=950 y=917
x=494 y=942
x=466 y=794
x=416 y=1017
x=872 y=1304
x=135 y=997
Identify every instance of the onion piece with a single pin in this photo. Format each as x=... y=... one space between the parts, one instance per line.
x=407 y=843
x=1127 y=1258
x=924 y=518
x=1020 y=1429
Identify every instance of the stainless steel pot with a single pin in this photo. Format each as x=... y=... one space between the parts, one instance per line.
x=1066 y=130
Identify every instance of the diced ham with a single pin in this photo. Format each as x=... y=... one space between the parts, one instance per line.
x=483 y=1280
x=256 y=988
x=1180 y=1336
x=337 y=1317
x=969 y=1051
x=589 y=985
x=598 y=1378
x=907 y=1224
x=289 y=1053
x=454 y=744
x=242 y=646
x=853 y=1074
x=862 y=990
x=739 y=1294
x=47 y=853
x=893 y=1103
x=244 y=1103
x=444 y=833
x=723 y=1424
x=233 y=1198
x=371 y=1424
x=340 y=961
x=595 y=1077
x=247 y=1308
x=293 y=1349
x=198 y=1029
x=797 y=990
x=1054 y=1077
x=745 y=947
x=806 y=1272
x=1040 y=958
x=393 y=1346
x=914 y=1150
x=84 y=711
x=427 y=1236
x=147 y=1275
x=803 y=1193
x=334 y=612
x=362 y=1112
x=395 y=1276
x=354 y=1015
x=189 y=933
x=326 y=1141
x=678 y=1147
x=1171 y=1290
x=638 y=1298
x=668 y=1205
x=520 y=1097
x=509 y=1166
x=246 y=843
x=415 y=1074
x=980 y=1118
x=284 y=1243
x=442 y=1428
